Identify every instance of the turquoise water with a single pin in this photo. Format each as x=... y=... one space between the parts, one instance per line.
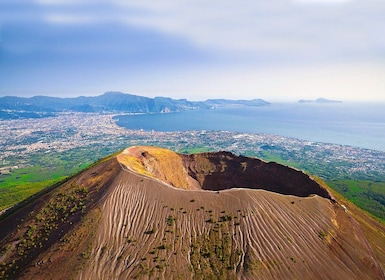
x=360 y=125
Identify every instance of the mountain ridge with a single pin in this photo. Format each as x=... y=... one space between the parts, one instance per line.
x=41 y=106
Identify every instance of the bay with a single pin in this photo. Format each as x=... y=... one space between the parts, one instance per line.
x=355 y=124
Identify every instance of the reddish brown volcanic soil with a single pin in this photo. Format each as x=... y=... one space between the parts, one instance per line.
x=150 y=213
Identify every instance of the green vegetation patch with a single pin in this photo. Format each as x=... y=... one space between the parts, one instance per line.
x=367 y=195
x=24 y=182
x=195 y=150
x=214 y=254
x=270 y=156
x=44 y=171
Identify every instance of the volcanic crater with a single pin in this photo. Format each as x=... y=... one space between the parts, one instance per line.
x=151 y=213
x=218 y=171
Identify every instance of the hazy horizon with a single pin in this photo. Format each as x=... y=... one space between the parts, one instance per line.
x=282 y=50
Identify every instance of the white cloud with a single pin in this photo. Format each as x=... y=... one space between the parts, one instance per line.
x=265 y=26
x=282 y=28
x=242 y=40
x=64 y=2
x=218 y=24
x=349 y=82
x=322 y=1
x=70 y=19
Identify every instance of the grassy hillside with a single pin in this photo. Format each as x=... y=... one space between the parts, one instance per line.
x=42 y=170
x=24 y=182
x=368 y=195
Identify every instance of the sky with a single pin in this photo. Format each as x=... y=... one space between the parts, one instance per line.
x=278 y=50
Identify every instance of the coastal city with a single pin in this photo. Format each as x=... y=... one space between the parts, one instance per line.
x=97 y=135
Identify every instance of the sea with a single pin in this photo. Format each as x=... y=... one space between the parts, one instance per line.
x=354 y=124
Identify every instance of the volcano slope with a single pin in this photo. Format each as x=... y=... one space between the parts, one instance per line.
x=151 y=213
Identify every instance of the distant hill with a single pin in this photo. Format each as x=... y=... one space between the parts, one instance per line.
x=319 y=100
x=12 y=107
x=150 y=213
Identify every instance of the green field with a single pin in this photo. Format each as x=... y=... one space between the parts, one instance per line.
x=195 y=150
x=44 y=171
x=24 y=182
x=367 y=195
x=269 y=156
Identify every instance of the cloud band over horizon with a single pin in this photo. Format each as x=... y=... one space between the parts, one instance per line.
x=277 y=50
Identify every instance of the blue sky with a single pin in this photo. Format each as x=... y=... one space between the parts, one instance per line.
x=279 y=50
